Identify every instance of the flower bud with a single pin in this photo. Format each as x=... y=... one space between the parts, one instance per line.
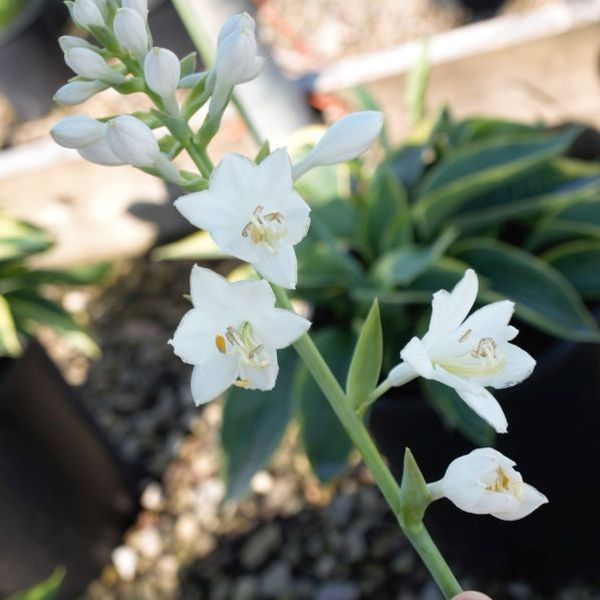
x=100 y=154
x=132 y=141
x=140 y=6
x=235 y=23
x=77 y=92
x=162 y=71
x=87 y=13
x=485 y=482
x=130 y=31
x=77 y=131
x=344 y=140
x=88 y=64
x=68 y=42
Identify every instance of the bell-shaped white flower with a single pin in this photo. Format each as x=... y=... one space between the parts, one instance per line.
x=68 y=42
x=140 y=6
x=468 y=354
x=87 y=13
x=77 y=131
x=133 y=142
x=90 y=65
x=253 y=212
x=76 y=92
x=232 y=334
x=162 y=71
x=344 y=140
x=236 y=61
x=485 y=482
x=131 y=32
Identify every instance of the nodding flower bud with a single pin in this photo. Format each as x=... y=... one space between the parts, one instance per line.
x=162 y=71
x=344 y=140
x=68 y=42
x=88 y=64
x=76 y=92
x=130 y=31
x=140 y=6
x=236 y=61
x=134 y=143
x=87 y=13
x=77 y=131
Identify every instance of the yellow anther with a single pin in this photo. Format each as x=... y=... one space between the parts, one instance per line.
x=242 y=383
x=220 y=343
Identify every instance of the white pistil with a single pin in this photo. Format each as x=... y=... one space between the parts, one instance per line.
x=265 y=230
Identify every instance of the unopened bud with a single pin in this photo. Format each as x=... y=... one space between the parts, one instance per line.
x=88 y=64
x=77 y=131
x=344 y=140
x=132 y=141
x=162 y=71
x=130 y=31
x=68 y=42
x=87 y=13
x=77 y=92
x=140 y=6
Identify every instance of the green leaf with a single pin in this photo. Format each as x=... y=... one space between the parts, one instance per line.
x=402 y=266
x=46 y=590
x=474 y=171
x=323 y=184
x=414 y=495
x=579 y=262
x=263 y=152
x=408 y=164
x=339 y=217
x=417 y=82
x=387 y=221
x=196 y=246
x=79 y=275
x=543 y=297
x=456 y=414
x=325 y=441
x=19 y=239
x=481 y=128
x=253 y=424
x=188 y=64
x=9 y=340
x=365 y=366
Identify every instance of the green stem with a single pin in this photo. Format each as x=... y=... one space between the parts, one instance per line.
x=359 y=435
x=198 y=35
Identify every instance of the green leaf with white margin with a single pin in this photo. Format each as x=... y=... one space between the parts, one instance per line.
x=456 y=414
x=326 y=443
x=414 y=495
x=579 y=262
x=9 y=340
x=365 y=366
x=253 y=425
x=46 y=590
x=402 y=266
x=544 y=298
x=477 y=169
x=196 y=246
x=19 y=239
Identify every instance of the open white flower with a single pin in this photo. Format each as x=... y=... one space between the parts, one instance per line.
x=253 y=212
x=232 y=334
x=485 y=482
x=468 y=354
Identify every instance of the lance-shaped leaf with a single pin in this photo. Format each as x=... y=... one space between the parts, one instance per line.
x=414 y=495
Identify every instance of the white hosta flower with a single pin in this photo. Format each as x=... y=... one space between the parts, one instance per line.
x=134 y=143
x=253 y=212
x=232 y=334
x=76 y=92
x=68 y=42
x=77 y=131
x=140 y=6
x=87 y=13
x=162 y=71
x=131 y=32
x=344 y=140
x=468 y=354
x=485 y=482
x=90 y=65
x=236 y=60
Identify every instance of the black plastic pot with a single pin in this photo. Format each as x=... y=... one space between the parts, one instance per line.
x=554 y=425
x=64 y=498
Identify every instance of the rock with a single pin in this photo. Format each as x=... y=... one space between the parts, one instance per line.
x=343 y=590
x=125 y=560
x=276 y=580
x=261 y=543
x=152 y=497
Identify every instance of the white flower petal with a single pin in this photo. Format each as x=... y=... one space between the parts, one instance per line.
x=275 y=173
x=261 y=378
x=532 y=500
x=281 y=327
x=255 y=298
x=280 y=267
x=401 y=374
x=211 y=379
x=519 y=365
x=416 y=356
x=209 y=291
x=194 y=338
x=297 y=217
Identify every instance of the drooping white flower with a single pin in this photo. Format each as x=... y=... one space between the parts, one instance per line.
x=87 y=13
x=485 y=482
x=468 y=354
x=90 y=65
x=133 y=142
x=253 y=212
x=236 y=61
x=131 y=32
x=77 y=131
x=232 y=334
x=68 y=42
x=76 y=92
x=344 y=140
x=162 y=71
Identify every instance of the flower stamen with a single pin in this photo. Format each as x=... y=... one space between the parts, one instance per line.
x=243 y=344
x=263 y=229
